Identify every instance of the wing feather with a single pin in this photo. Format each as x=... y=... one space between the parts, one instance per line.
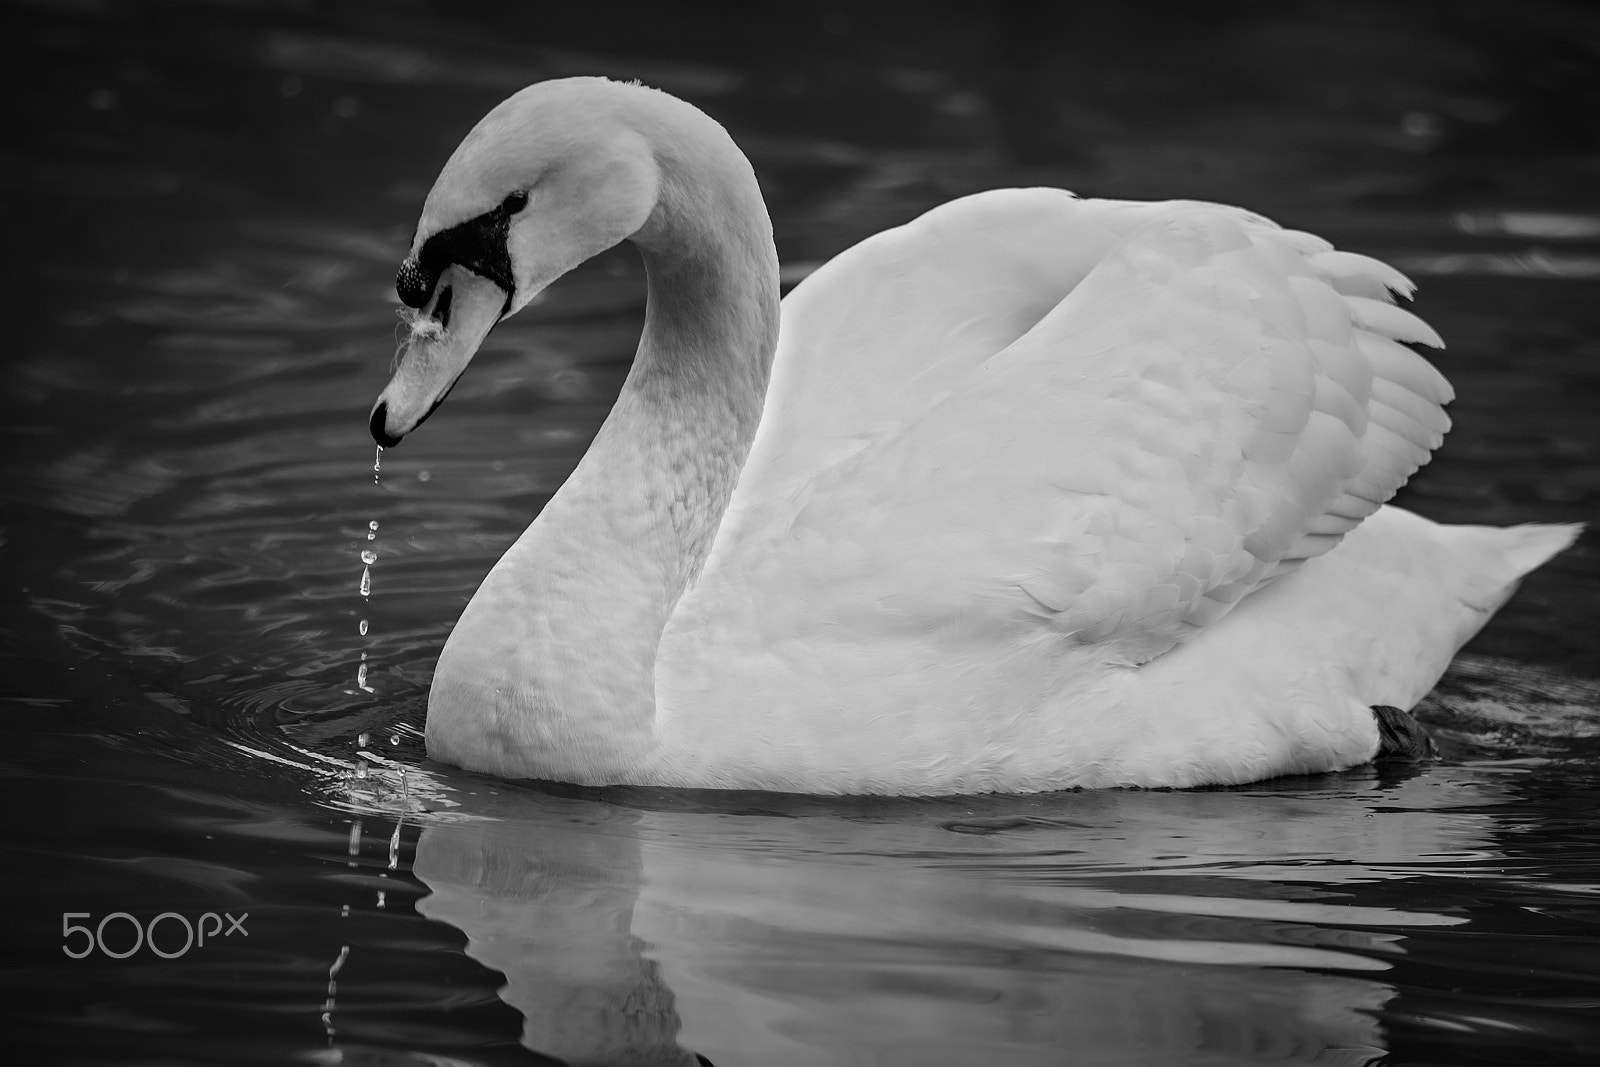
x=1354 y=274
x=1215 y=401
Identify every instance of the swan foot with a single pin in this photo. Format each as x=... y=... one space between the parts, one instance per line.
x=1401 y=737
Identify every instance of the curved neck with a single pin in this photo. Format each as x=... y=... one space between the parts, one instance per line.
x=551 y=670
x=699 y=378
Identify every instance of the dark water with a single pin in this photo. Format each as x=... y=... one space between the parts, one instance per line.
x=203 y=208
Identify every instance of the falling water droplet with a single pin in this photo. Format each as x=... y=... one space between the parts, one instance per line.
x=394 y=739
x=363 y=739
x=368 y=557
x=331 y=1002
x=361 y=768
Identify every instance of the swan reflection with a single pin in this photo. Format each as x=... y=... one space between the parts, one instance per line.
x=636 y=927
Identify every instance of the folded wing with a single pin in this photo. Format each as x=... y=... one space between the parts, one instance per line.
x=1216 y=401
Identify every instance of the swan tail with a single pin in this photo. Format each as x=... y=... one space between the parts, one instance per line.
x=1499 y=557
x=1402 y=594
x=1532 y=544
x=1481 y=568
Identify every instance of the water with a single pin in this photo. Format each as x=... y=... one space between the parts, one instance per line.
x=205 y=206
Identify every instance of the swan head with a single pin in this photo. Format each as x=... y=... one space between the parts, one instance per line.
x=552 y=176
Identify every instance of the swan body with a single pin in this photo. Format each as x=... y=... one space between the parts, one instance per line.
x=1030 y=493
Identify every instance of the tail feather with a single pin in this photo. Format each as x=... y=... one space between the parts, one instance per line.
x=1497 y=558
x=1532 y=545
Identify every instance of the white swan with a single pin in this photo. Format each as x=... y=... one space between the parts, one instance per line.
x=1042 y=492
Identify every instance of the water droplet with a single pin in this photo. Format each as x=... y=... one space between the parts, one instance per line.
x=363 y=630
x=366 y=581
x=394 y=739
x=361 y=769
x=423 y=476
x=373 y=525
x=368 y=556
x=361 y=679
x=363 y=739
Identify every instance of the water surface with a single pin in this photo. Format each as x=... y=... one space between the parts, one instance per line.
x=204 y=207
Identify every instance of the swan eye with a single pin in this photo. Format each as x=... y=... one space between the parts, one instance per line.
x=515 y=202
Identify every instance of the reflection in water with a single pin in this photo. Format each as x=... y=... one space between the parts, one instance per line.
x=1134 y=927
x=549 y=900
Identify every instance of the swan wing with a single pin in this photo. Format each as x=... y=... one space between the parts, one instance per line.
x=878 y=332
x=1214 y=402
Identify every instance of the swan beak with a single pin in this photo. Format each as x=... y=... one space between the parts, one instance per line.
x=445 y=334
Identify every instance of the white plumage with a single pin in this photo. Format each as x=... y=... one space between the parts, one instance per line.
x=1044 y=492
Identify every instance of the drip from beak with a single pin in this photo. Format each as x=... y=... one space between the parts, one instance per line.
x=445 y=335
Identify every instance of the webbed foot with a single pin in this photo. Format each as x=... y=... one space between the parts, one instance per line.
x=1401 y=737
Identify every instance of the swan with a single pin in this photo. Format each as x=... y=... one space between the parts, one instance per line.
x=1034 y=492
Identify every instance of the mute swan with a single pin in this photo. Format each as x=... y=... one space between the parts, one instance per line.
x=1031 y=493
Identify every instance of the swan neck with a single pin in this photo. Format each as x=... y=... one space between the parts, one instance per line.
x=561 y=638
x=699 y=379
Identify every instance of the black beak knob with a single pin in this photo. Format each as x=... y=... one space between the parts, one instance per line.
x=413 y=284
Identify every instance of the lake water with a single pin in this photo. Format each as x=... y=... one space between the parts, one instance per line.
x=204 y=207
